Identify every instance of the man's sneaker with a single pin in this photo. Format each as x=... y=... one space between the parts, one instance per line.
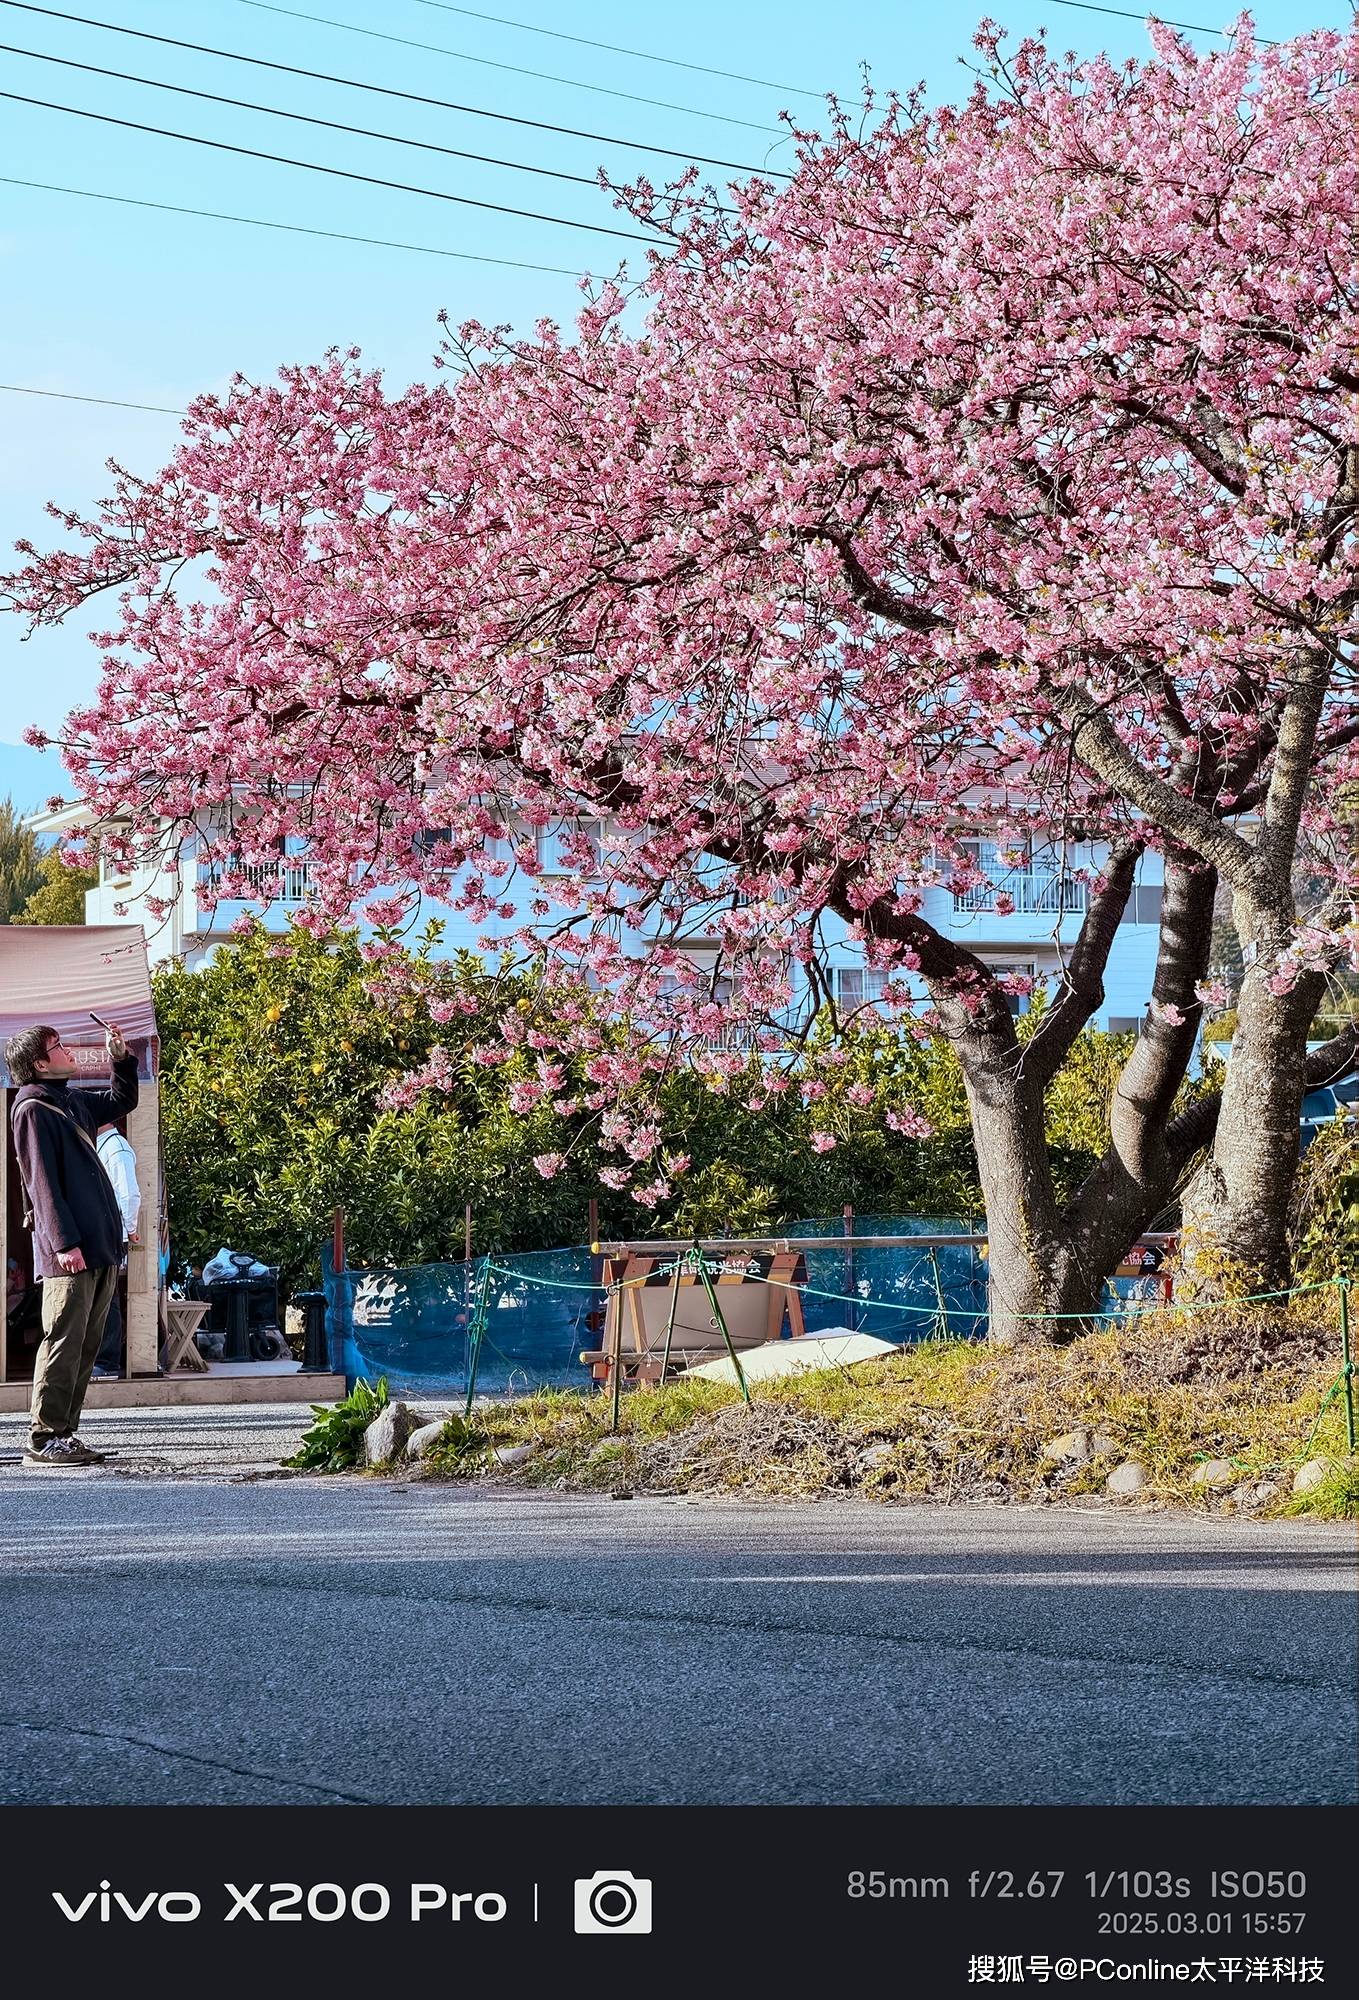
x=61 y=1452
x=105 y=1375
x=91 y=1456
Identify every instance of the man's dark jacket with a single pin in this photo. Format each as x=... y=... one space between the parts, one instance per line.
x=74 y=1205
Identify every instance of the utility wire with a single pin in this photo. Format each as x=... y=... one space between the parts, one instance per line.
x=387 y=90
x=292 y=228
x=302 y=117
x=1123 y=14
x=108 y=402
x=336 y=173
x=642 y=55
x=512 y=69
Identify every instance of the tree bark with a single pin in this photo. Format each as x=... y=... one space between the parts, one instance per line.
x=1235 y=1210
x=1035 y=1270
x=1137 y=1175
x=1040 y=1292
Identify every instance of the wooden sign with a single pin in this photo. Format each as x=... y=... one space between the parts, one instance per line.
x=755 y=1290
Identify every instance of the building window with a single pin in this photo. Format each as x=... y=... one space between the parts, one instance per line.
x=549 y=842
x=1144 y=904
x=284 y=880
x=1015 y=968
x=859 y=986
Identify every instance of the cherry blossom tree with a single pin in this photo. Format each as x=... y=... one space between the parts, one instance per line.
x=995 y=476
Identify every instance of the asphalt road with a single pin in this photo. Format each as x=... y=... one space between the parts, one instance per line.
x=174 y=1634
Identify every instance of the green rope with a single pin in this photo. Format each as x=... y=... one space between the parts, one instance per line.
x=554 y=1284
x=1129 y=1311
x=1340 y=1384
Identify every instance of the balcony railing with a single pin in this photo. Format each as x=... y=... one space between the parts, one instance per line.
x=284 y=882
x=1032 y=895
x=733 y=1038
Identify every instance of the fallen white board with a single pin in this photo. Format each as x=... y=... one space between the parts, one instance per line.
x=797 y=1357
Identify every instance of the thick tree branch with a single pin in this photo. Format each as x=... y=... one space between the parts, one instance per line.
x=1199 y=447
x=1102 y=750
x=1134 y=1172
x=1194 y=1128
x=878 y=598
x=1286 y=794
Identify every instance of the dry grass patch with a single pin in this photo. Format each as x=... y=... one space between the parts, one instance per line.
x=960 y=1420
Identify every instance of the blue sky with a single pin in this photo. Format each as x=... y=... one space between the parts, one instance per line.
x=149 y=307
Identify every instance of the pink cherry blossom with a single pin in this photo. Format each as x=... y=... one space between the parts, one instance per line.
x=911 y=1123
x=985 y=480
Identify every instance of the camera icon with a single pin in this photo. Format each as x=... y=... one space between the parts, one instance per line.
x=614 y=1900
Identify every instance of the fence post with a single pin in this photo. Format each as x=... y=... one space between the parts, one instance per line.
x=852 y=1316
x=1347 y=1365
x=478 y=1333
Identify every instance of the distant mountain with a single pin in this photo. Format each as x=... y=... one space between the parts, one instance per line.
x=31 y=777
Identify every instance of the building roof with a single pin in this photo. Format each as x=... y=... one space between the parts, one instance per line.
x=57 y=973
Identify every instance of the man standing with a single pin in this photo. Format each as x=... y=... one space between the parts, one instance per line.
x=120 y=1164
x=77 y=1226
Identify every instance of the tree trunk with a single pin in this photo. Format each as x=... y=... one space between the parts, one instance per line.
x=1138 y=1173
x=1235 y=1210
x=1034 y=1267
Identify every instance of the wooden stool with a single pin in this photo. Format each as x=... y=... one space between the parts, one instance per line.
x=180 y=1321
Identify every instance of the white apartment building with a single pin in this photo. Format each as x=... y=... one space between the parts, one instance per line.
x=1031 y=938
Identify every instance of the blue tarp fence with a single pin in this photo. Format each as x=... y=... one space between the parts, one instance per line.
x=413 y=1323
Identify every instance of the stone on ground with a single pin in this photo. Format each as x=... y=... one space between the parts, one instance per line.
x=1213 y=1472
x=1071 y=1445
x=422 y=1440
x=386 y=1436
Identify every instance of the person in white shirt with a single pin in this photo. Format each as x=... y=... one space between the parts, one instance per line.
x=120 y=1164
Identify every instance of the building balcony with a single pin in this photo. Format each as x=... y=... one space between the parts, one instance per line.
x=1041 y=895
x=285 y=882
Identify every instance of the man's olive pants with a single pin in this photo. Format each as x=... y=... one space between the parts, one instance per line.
x=73 y=1313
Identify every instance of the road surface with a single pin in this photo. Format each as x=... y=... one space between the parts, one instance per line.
x=171 y=1638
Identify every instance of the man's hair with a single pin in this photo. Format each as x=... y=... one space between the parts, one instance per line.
x=24 y=1052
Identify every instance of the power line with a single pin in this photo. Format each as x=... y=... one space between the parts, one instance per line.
x=1190 y=27
x=512 y=69
x=292 y=228
x=336 y=173
x=108 y=402
x=301 y=117
x=387 y=90
x=642 y=55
